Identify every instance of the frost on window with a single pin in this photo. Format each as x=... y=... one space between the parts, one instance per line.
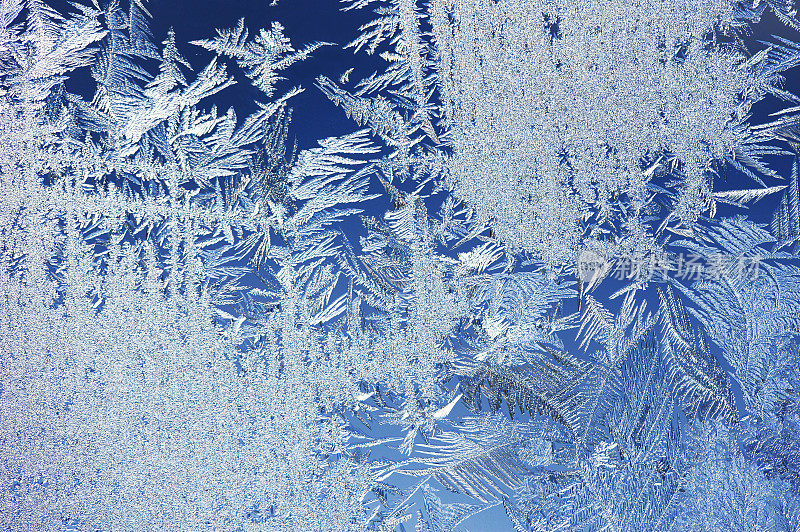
x=560 y=110
x=543 y=276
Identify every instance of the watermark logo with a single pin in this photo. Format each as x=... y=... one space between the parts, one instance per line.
x=592 y=266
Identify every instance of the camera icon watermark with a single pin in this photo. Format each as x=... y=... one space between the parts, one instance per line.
x=591 y=266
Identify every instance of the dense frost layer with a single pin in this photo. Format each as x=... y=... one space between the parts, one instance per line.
x=558 y=109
